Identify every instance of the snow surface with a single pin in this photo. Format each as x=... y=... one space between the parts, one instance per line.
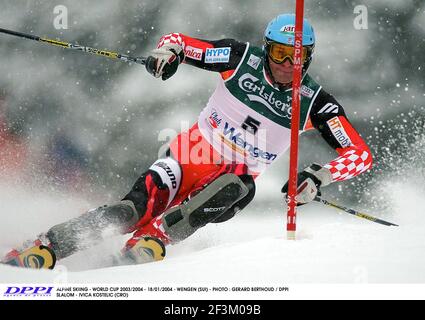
x=332 y=246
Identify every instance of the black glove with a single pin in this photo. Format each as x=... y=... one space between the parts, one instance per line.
x=163 y=62
x=309 y=182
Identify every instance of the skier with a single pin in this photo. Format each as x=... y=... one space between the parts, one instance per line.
x=208 y=173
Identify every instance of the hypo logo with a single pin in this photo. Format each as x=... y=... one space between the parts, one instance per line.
x=217 y=55
x=28 y=291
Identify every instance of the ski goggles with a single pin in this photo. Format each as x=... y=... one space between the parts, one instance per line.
x=279 y=52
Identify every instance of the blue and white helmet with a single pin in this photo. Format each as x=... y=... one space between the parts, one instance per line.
x=282 y=30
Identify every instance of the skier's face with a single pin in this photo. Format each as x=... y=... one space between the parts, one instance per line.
x=282 y=73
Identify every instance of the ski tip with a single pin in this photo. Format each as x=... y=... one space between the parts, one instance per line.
x=157 y=247
x=36 y=257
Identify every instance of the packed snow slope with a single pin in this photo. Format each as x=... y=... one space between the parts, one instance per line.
x=331 y=246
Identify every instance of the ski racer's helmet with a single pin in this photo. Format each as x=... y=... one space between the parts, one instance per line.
x=279 y=39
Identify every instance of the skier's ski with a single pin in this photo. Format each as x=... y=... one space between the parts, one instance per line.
x=36 y=257
x=147 y=249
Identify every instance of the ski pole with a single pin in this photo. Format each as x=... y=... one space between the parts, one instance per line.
x=66 y=45
x=354 y=212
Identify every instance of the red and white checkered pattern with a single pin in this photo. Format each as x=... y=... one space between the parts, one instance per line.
x=171 y=38
x=157 y=225
x=350 y=164
x=154 y=229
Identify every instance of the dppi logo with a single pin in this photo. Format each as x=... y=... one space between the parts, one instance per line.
x=214 y=120
x=28 y=291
